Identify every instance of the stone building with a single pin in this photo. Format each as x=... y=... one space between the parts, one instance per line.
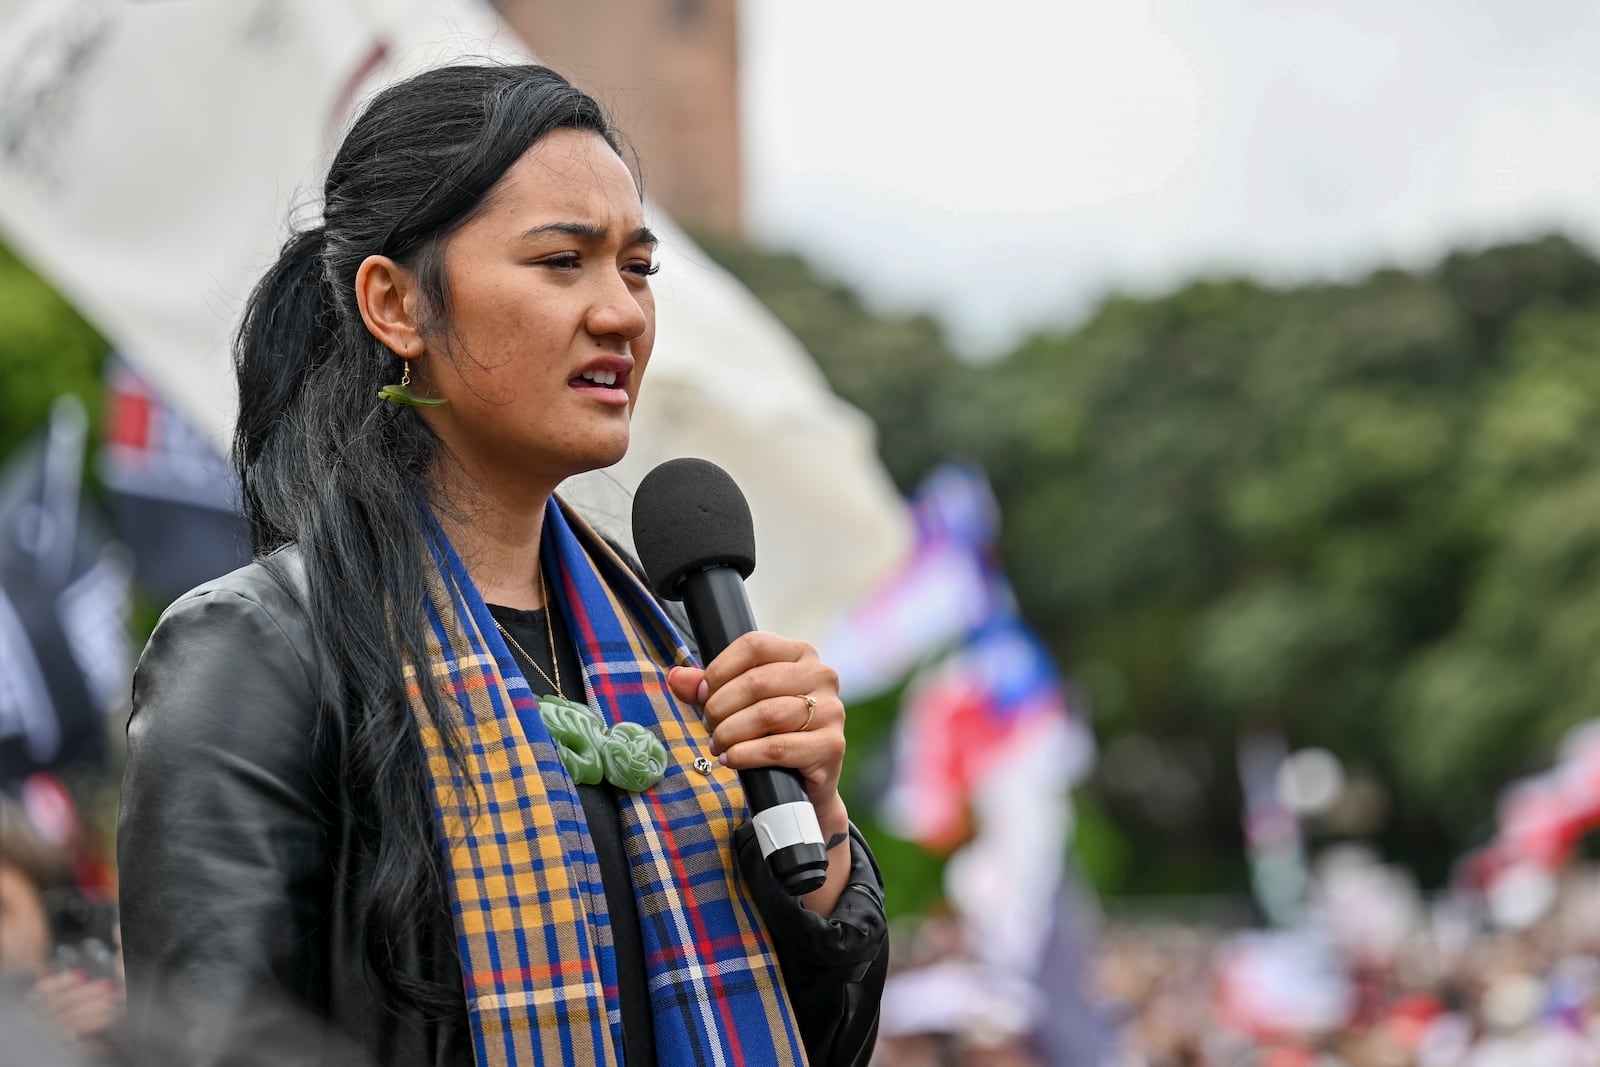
x=668 y=72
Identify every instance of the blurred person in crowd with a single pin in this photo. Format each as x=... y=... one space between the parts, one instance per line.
x=1523 y=996
x=404 y=772
x=942 y=1008
x=75 y=993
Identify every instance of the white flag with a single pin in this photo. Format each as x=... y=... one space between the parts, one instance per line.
x=152 y=156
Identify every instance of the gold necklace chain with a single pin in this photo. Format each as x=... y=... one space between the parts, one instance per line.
x=550 y=634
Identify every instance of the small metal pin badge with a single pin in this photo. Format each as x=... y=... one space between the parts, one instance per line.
x=702 y=765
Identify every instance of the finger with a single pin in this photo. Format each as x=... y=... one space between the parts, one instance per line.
x=768 y=681
x=815 y=755
x=55 y=983
x=751 y=650
x=76 y=1001
x=64 y=1000
x=775 y=715
x=90 y=1015
x=688 y=684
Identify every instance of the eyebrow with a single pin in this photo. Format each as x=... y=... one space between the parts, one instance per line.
x=589 y=231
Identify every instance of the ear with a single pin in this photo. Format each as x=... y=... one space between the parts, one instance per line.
x=388 y=296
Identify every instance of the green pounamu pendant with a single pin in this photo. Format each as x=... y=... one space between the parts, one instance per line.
x=635 y=758
x=579 y=733
x=628 y=756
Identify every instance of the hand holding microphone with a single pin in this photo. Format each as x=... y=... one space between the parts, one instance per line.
x=754 y=699
x=772 y=705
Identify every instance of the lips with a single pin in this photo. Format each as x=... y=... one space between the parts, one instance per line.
x=605 y=378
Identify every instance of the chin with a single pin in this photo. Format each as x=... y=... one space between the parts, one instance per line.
x=604 y=454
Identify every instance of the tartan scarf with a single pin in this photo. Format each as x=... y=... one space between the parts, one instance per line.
x=532 y=930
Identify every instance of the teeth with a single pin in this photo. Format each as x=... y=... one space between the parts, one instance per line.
x=601 y=377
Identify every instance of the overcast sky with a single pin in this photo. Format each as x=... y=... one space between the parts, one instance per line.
x=1006 y=162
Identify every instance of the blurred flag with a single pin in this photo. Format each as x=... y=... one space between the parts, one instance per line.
x=64 y=603
x=153 y=192
x=173 y=497
x=938 y=598
x=1273 y=840
x=974 y=716
x=987 y=748
x=987 y=689
x=945 y=591
x=1281 y=985
x=1580 y=771
x=987 y=753
x=1540 y=821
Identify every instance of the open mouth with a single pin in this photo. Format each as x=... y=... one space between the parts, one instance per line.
x=605 y=385
x=607 y=378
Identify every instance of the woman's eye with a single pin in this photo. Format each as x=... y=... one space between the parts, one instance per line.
x=565 y=261
x=643 y=270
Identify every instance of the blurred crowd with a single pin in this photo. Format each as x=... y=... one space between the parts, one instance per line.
x=1447 y=988
x=61 y=980
x=1377 y=975
x=1498 y=998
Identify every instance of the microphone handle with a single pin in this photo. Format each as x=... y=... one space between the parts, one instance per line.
x=786 y=824
x=719 y=610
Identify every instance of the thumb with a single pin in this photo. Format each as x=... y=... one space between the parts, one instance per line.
x=688 y=684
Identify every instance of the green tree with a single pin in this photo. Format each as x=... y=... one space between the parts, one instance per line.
x=1367 y=512
x=897 y=369
x=46 y=349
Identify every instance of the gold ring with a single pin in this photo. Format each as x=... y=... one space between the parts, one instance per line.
x=811 y=709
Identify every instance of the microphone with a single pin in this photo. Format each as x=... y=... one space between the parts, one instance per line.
x=693 y=533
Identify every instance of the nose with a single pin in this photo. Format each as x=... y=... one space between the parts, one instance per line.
x=619 y=309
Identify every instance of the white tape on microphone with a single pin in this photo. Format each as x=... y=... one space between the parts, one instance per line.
x=785 y=825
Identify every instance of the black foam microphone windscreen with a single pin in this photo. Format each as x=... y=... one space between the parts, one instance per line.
x=688 y=515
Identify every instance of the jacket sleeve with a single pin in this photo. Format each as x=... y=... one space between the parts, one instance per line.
x=222 y=852
x=833 y=968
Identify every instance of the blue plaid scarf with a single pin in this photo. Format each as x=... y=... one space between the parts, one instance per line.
x=531 y=923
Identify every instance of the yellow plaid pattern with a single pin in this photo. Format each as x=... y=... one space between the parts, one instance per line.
x=530 y=911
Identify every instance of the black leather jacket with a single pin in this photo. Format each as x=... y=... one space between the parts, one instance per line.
x=239 y=875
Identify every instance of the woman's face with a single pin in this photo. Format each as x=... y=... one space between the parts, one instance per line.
x=551 y=320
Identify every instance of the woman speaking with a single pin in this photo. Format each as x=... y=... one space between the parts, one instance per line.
x=435 y=780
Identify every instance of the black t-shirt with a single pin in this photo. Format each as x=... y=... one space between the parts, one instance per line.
x=528 y=628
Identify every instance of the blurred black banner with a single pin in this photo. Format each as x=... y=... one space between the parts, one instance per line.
x=64 y=604
x=171 y=493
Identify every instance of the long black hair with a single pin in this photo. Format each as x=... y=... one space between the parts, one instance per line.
x=326 y=465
